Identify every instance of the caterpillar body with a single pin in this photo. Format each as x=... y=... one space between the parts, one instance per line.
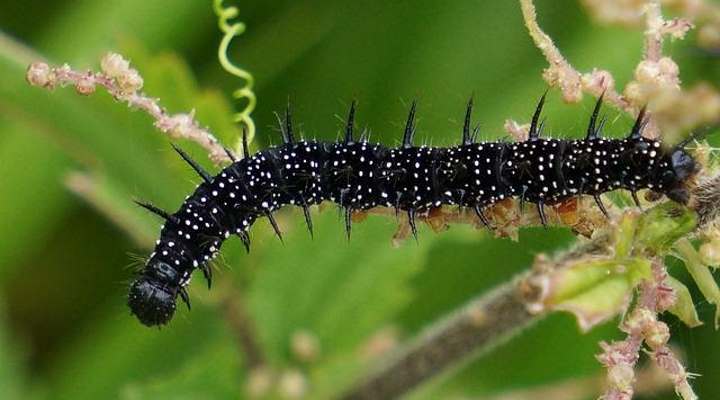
x=359 y=175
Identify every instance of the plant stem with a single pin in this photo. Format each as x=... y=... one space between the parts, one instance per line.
x=481 y=324
x=242 y=326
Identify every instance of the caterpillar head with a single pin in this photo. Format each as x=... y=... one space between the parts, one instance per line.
x=680 y=167
x=152 y=296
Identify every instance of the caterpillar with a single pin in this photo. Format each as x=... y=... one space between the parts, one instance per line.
x=360 y=175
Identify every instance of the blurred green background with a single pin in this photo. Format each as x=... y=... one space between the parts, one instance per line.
x=66 y=258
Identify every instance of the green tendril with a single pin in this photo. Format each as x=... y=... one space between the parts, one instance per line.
x=230 y=31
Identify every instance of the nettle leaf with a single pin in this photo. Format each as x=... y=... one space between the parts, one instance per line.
x=661 y=226
x=12 y=370
x=104 y=370
x=211 y=374
x=113 y=202
x=24 y=223
x=342 y=294
x=684 y=308
x=599 y=303
x=701 y=274
x=594 y=291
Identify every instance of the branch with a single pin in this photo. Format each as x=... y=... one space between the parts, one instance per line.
x=481 y=324
x=484 y=322
x=242 y=326
x=124 y=84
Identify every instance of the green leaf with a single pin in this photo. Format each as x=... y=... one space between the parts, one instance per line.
x=353 y=288
x=702 y=275
x=110 y=353
x=625 y=234
x=599 y=302
x=593 y=290
x=684 y=307
x=214 y=373
x=661 y=226
x=12 y=368
x=111 y=202
x=86 y=29
x=34 y=200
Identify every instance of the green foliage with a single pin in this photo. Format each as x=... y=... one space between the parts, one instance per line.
x=321 y=54
x=660 y=227
x=684 y=307
x=12 y=371
x=214 y=373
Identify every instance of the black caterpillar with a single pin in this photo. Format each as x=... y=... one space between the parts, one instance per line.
x=358 y=175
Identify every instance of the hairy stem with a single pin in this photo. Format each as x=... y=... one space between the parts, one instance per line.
x=124 y=84
x=242 y=327
x=481 y=324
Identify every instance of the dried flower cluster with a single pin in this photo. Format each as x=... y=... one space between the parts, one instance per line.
x=656 y=82
x=705 y=13
x=642 y=326
x=124 y=84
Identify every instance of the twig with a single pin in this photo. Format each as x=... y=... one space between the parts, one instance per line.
x=124 y=84
x=481 y=324
x=653 y=31
x=560 y=71
x=241 y=324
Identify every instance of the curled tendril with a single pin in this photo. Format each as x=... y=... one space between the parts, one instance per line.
x=230 y=31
